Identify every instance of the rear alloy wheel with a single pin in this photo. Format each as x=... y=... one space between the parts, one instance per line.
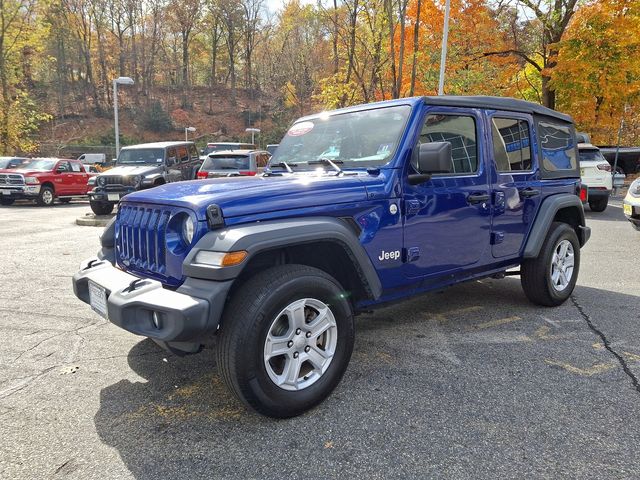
x=549 y=279
x=599 y=205
x=101 y=208
x=284 y=349
x=46 y=197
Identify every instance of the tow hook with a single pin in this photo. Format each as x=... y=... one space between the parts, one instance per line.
x=135 y=284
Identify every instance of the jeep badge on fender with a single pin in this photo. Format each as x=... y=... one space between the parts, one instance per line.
x=277 y=265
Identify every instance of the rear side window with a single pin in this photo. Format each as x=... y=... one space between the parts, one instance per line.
x=262 y=159
x=193 y=151
x=558 y=146
x=511 y=144
x=460 y=131
x=183 y=154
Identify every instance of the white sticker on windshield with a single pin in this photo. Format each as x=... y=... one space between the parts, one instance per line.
x=300 y=129
x=384 y=148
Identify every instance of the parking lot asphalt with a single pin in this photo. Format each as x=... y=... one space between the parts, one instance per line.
x=470 y=382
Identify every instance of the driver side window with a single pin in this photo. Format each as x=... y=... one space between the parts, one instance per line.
x=460 y=131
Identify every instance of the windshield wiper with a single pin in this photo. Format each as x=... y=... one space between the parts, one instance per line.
x=281 y=164
x=326 y=161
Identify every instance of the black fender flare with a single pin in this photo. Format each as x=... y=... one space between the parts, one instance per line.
x=262 y=236
x=546 y=213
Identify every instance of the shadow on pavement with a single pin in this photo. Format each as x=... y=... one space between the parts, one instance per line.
x=420 y=375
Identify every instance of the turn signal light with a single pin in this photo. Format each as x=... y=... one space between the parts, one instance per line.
x=220 y=259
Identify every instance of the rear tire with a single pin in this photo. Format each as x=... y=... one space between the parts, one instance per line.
x=7 y=201
x=599 y=205
x=285 y=340
x=46 y=197
x=101 y=208
x=549 y=279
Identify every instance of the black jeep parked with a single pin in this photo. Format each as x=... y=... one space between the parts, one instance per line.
x=143 y=166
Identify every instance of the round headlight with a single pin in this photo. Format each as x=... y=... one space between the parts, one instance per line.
x=102 y=181
x=188 y=228
x=137 y=180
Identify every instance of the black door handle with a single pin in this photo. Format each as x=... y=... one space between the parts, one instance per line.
x=528 y=192
x=478 y=198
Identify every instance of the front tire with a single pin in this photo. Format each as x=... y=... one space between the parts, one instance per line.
x=599 y=205
x=101 y=208
x=46 y=197
x=286 y=340
x=549 y=279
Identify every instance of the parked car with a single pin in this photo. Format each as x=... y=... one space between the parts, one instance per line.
x=628 y=158
x=595 y=173
x=44 y=180
x=93 y=158
x=12 y=162
x=222 y=146
x=234 y=163
x=424 y=193
x=271 y=148
x=631 y=204
x=143 y=166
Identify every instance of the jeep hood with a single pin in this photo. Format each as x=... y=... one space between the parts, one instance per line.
x=238 y=196
x=131 y=170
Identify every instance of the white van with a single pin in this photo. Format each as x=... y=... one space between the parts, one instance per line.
x=93 y=158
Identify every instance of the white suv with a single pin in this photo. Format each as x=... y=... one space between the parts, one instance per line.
x=595 y=173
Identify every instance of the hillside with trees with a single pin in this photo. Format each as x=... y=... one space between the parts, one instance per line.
x=224 y=65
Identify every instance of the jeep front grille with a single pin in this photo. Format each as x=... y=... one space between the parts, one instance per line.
x=128 y=181
x=141 y=239
x=11 y=179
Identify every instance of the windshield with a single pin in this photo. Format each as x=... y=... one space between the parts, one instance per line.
x=591 y=155
x=363 y=139
x=11 y=162
x=42 y=165
x=227 y=162
x=136 y=156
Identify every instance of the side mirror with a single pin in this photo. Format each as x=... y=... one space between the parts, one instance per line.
x=433 y=157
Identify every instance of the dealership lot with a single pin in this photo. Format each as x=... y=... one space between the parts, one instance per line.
x=470 y=382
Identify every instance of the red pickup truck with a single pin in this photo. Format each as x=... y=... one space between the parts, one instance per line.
x=44 y=180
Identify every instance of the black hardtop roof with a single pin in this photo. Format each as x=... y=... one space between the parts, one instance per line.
x=497 y=103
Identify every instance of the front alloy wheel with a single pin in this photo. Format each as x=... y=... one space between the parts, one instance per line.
x=284 y=351
x=300 y=344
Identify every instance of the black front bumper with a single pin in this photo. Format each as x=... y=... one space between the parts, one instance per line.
x=108 y=196
x=181 y=319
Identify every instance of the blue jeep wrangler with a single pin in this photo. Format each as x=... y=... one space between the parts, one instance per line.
x=413 y=195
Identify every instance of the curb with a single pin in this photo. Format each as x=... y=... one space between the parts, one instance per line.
x=91 y=220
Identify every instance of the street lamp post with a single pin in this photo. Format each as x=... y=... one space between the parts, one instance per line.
x=116 y=82
x=443 y=50
x=253 y=133
x=186 y=132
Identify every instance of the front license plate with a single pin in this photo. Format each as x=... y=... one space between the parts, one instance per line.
x=628 y=209
x=5 y=192
x=98 y=298
x=113 y=197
